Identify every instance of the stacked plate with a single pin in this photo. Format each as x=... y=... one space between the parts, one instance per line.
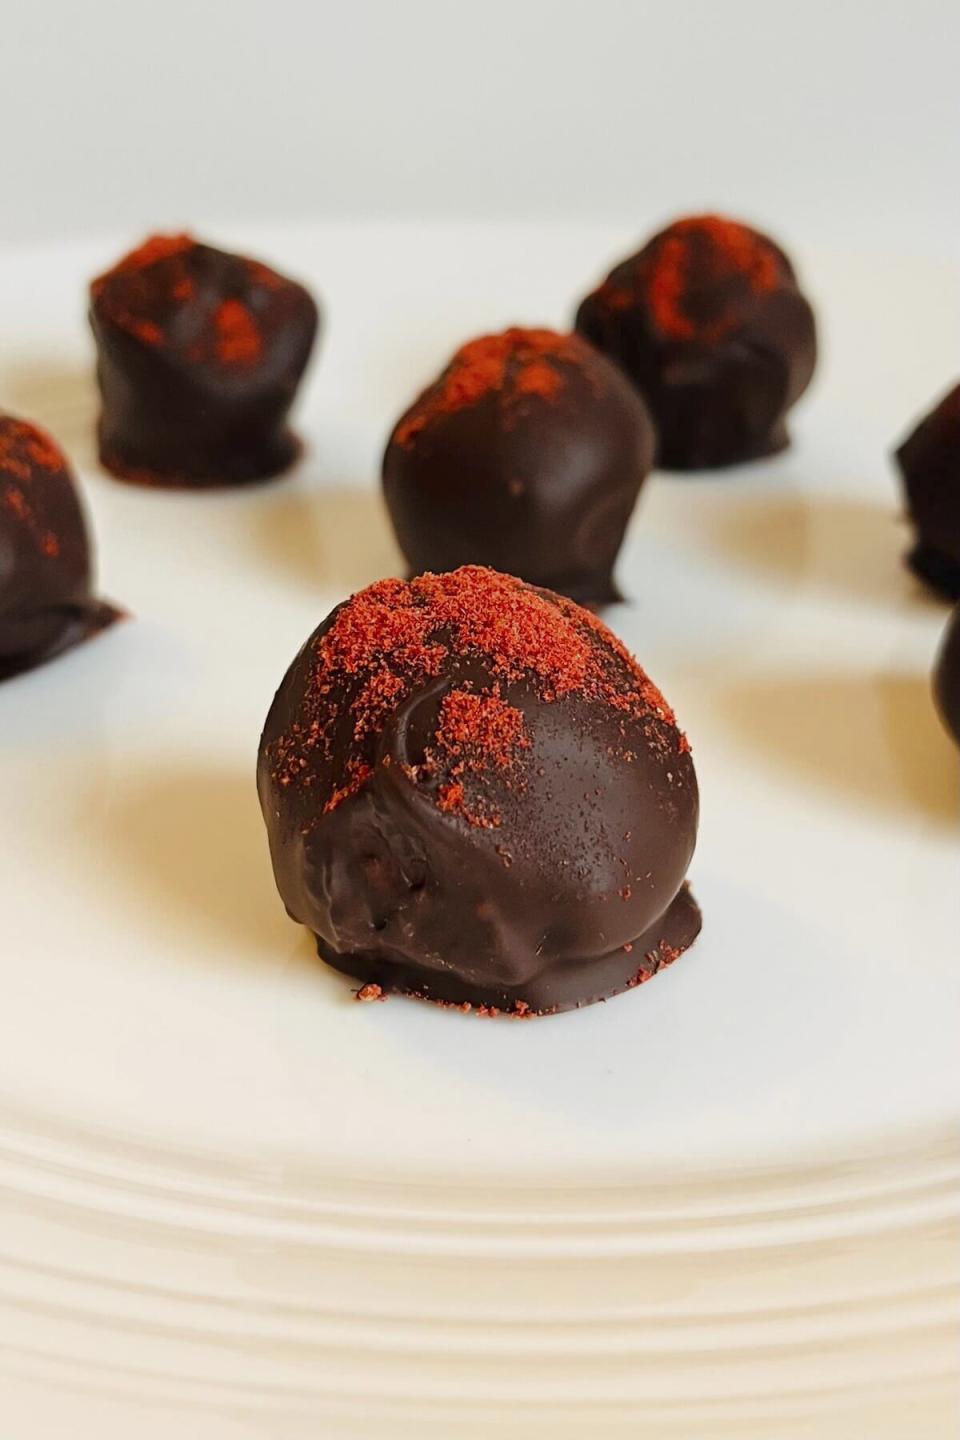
x=233 y=1202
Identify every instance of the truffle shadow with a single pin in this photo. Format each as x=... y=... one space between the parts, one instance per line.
x=328 y=537
x=189 y=848
x=847 y=545
x=876 y=740
x=62 y=398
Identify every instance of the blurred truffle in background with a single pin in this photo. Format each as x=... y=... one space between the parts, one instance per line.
x=527 y=454
x=46 y=565
x=709 y=323
x=946 y=683
x=929 y=462
x=200 y=354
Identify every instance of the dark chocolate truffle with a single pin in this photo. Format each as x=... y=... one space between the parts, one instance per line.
x=199 y=357
x=929 y=461
x=475 y=795
x=46 y=603
x=946 y=682
x=526 y=454
x=709 y=324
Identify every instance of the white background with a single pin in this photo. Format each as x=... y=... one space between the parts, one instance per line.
x=833 y=118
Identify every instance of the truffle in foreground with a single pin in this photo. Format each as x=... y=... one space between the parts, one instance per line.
x=526 y=454
x=474 y=794
x=929 y=461
x=200 y=353
x=46 y=604
x=709 y=323
x=946 y=682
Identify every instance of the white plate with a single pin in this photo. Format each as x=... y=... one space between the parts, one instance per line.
x=723 y=1204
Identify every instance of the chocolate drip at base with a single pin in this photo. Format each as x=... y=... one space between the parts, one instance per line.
x=568 y=987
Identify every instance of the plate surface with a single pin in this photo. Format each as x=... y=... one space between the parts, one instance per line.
x=724 y=1203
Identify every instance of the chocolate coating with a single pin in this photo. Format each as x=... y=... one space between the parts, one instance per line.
x=708 y=322
x=46 y=603
x=474 y=794
x=929 y=461
x=946 y=680
x=526 y=454
x=200 y=354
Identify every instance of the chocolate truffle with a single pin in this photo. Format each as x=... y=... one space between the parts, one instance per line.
x=526 y=454
x=46 y=603
x=946 y=682
x=199 y=357
x=474 y=794
x=929 y=461
x=709 y=324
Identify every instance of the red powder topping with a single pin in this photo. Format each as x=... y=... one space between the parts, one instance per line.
x=26 y=454
x=393 y=624
x=451 y=798
x=16 y=503
x=357 y=774
x=521 y=1009
x=147 y=301
x=656 y=960
x=483 y=722
x=370 y=992
x=667 y=287
x=42 y=450
x=158 y=247
x=701 y=253
x=390 y=638
x=538 y=378
x=238 y=339
x=682 y=276
x=144 y=330
x=23 y=447
x=516 y=364
x=477 y=732
x=130 y=297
